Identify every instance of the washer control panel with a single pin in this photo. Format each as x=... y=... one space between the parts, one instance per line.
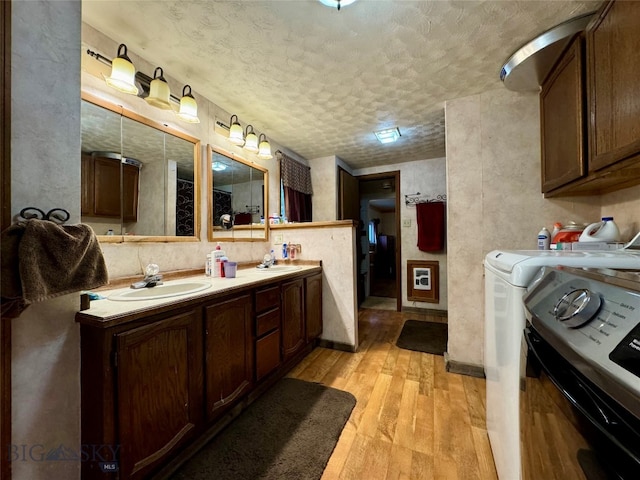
x=577 y=307
x=589 y=320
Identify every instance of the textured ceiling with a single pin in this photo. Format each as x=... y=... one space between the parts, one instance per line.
x=321 y=81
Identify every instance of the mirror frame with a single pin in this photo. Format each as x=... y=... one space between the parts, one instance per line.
x=233 y=156
x=119 y=109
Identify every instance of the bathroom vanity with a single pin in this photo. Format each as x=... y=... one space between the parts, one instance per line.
x=160 y=377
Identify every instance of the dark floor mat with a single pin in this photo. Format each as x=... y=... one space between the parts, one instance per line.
x=427 y=337
x=289 y=432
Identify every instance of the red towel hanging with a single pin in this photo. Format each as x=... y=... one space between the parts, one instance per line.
x=431 y=226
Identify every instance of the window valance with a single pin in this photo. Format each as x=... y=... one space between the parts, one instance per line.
x=294 y=174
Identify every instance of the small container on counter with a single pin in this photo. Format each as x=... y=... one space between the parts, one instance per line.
x=544 y=239
x=207 y=266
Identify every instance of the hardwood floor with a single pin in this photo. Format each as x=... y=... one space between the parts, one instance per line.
x=412 y=419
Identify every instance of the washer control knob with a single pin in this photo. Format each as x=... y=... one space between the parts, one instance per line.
x=577 y=307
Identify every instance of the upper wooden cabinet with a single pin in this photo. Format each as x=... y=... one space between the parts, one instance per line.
x=562 y=120
x=101 y=188
x=612 y=121
x=613 y=48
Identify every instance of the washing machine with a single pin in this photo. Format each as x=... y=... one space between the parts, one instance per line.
x=507 y=274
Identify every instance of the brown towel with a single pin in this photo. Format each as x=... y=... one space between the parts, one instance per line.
x=43 y=260
x=430 y=226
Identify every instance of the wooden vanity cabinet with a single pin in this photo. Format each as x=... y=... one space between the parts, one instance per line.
x=141 y=394
x=157 y=382
x=228 y=353
x=268 y=355
x=101 y=188
x=313 y=306
x=293 y=321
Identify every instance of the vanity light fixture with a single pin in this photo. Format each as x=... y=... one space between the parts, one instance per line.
x=389 y=135
x=236 y=135
x=218 y=166
x=188 y=106
x=159 y=91
x=264 y=148
x=123 y=73
x=250 y=140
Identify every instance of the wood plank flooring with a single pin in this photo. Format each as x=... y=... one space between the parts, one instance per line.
x=412 y=419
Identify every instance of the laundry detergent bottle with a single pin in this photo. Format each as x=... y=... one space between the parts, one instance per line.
x=603 y=231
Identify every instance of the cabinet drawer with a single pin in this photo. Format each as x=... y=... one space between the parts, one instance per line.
x=267 y=299
x=267 y=354
x=266 y=322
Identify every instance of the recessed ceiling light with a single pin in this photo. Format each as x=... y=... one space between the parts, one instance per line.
x=218 y=166
x=389 y=135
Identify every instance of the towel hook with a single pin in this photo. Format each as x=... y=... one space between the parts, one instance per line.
x=56 y=215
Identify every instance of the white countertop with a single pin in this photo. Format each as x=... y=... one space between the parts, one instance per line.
x=107 y=312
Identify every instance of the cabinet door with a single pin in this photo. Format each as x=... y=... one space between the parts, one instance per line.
x=107 y=186
x=159 y=378
x=267 y=354
x=87 y=196
x=563 y=121
x=130 y=178
x=613 y=43
x=313 y=306
x=228 y=353
x=293 y=335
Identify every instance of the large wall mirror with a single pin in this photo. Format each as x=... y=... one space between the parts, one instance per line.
x=237 y=197
x=140 y=178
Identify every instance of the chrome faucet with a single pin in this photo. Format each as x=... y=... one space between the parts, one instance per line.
x=152 y=277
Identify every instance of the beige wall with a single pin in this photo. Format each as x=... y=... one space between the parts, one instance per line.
x=624 y=207
x=429 y=178
x=45 y=173
x=335 y=246
x=325 y=185
x=494 y=201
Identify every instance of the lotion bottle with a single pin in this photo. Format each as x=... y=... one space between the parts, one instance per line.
x=544 y=239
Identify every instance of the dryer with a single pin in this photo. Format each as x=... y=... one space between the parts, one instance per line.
x=507 y=274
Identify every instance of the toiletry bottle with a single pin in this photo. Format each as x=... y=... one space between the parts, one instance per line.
x=544 y=239
x=285 y=251
x=218 y=246
x=556 y=229
x=273 y=257
x=207 y=266
x=292 y=251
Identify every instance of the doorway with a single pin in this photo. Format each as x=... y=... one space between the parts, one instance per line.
x=380 y=270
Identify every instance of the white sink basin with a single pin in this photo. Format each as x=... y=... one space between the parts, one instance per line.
x=279 y=269
x=161 y=291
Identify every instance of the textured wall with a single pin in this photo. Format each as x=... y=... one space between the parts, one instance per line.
x=335 y=246
x=45 y=173
x=624 y=207
x=429 y=178
x=494 y=201
x=325 y=188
